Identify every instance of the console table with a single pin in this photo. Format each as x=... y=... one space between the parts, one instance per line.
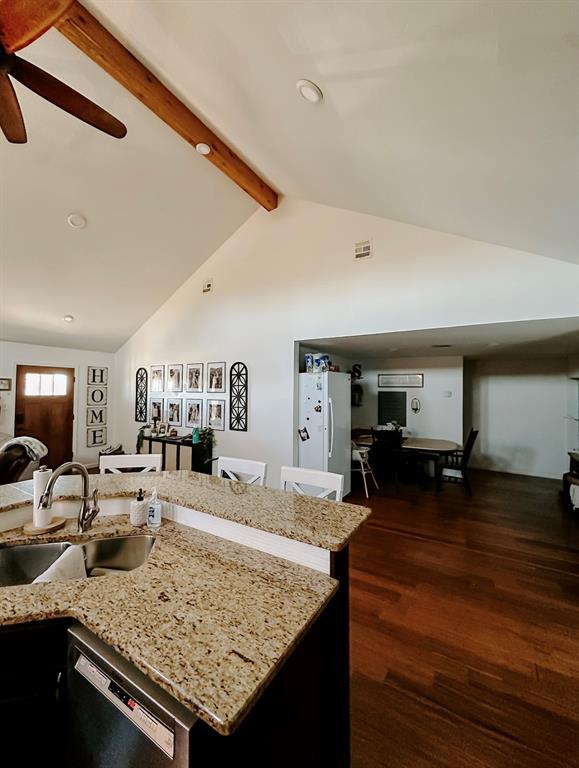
x=201 y=458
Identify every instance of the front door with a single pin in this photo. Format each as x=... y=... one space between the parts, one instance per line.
x=44 y=409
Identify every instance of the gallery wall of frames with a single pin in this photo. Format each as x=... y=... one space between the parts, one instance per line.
x=186 y=396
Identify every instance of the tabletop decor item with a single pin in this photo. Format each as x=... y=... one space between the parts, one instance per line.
x=216 y=377
x=141 y=387
x=238 y=386
x=194 y=377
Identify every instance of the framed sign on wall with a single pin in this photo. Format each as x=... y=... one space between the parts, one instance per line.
x=400 y=380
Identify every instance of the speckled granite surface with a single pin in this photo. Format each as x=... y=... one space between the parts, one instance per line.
x=321 y=523
x=208 y=620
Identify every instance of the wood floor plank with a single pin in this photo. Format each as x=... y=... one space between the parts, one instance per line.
x=465 y=628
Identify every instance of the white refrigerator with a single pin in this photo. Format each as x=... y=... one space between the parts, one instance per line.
x=324 y=423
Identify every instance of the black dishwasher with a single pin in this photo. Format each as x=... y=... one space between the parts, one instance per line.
x=116 y=716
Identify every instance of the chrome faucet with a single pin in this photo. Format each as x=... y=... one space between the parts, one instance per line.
x=87 y=511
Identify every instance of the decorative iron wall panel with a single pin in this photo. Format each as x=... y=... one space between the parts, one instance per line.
x=141 y=387
x=238 y=383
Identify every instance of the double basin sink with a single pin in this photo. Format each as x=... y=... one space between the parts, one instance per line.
x=22 y=563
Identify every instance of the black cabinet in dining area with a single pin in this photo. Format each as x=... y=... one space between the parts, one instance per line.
x=188 y=455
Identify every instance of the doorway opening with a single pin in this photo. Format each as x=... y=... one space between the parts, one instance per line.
x=45 y=409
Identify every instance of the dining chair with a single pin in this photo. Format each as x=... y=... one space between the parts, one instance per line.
x=136 y=462
x=297 y=479
x=360 y=457
x=456 y=467
x=242 y=470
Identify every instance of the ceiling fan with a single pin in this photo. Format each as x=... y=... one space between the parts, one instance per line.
x=22 y=22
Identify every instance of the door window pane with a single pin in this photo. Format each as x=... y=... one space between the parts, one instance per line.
x=32 y=384
x=60 y=384
x=45 y=384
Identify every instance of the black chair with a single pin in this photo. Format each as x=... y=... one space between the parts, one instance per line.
x=14 y=460
x=456 y=465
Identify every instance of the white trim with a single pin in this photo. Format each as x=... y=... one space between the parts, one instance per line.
x=294 y=551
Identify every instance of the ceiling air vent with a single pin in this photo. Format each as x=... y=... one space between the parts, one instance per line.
x=362 y=250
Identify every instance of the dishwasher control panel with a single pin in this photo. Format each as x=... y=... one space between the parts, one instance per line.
x=159 y=734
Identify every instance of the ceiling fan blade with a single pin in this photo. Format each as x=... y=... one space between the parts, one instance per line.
x=22 y=21
x=66 y=98
x=11 y=120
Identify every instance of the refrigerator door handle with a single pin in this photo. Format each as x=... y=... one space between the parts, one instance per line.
x=331 y=404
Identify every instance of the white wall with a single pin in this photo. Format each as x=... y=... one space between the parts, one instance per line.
x=13 y=354
x=519 y=406
x=290 y=275
x=440 y=416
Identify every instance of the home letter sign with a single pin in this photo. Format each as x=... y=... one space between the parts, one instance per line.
x=96 y=436
x=98 y=376
x=96 y=396
x=97 y=379
x=96 y=416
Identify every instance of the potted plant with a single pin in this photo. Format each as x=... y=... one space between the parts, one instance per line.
x=141 y=436
x=206 y=442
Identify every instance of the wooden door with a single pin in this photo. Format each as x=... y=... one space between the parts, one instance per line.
x=44 y=409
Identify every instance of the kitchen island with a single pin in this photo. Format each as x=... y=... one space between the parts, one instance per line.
x=248 y=641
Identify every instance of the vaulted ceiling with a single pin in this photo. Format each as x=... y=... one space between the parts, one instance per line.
x=461 y=116
x=458 y=115
x=155 y=212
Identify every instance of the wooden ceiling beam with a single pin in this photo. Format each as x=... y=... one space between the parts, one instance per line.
x=85 y=31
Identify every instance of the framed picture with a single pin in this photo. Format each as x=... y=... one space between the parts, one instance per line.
x=5 y=385
x=162 y=428
x=157 y=378
x=401 y=380
x=194 y=413
x=174 y=413
x=194 y=377
x=216 y=414
x=175 y=378
x=156 y=409
x=216 y=377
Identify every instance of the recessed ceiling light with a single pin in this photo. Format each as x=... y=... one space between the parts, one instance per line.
x=393 y=349
x=309 y=91
x=68 y=318
x=441 y=346
x=76 y=220
x=494 y=344
x=202 y=148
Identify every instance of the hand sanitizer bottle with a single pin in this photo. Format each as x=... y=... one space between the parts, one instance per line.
x=154 y=516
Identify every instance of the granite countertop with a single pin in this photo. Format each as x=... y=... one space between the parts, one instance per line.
x=208 y=620
x=318 y=522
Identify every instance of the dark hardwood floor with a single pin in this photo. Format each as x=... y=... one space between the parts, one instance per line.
x=465 y=628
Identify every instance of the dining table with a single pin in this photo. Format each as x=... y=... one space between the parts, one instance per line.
x=434 y=449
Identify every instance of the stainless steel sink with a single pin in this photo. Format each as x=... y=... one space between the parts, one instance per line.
x=22 y=563
x=121 y=553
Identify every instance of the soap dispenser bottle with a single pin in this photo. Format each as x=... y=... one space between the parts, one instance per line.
x=154 y=516
x=139 y=512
